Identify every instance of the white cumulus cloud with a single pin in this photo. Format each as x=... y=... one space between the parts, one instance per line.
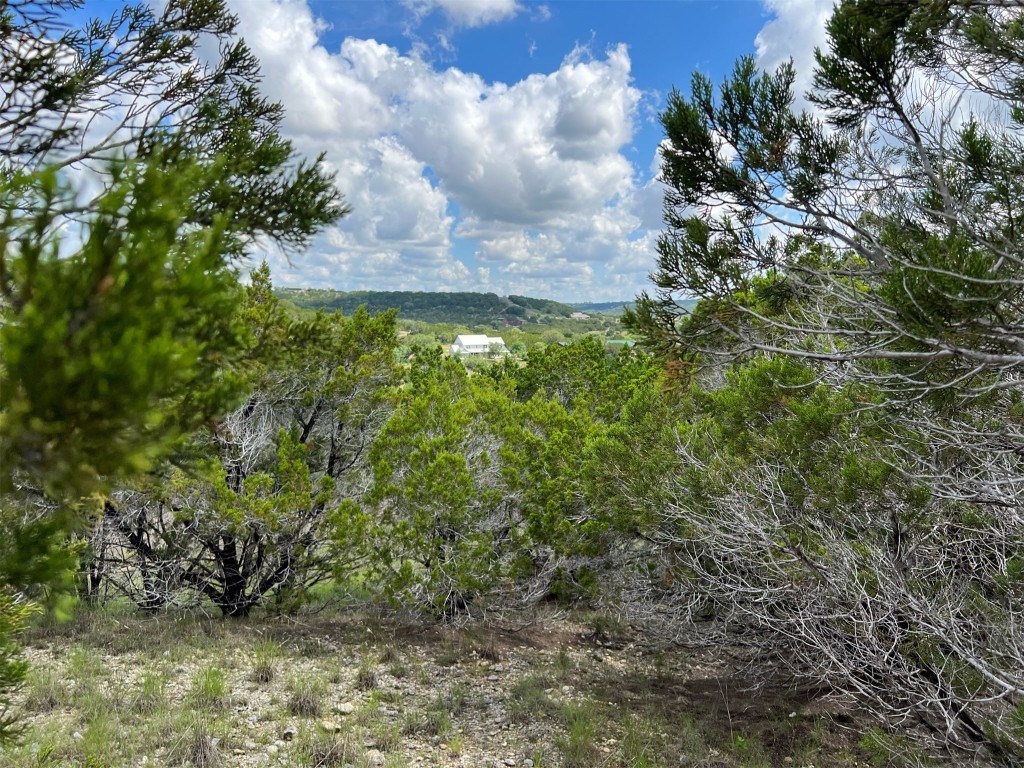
x=796 y=29
x=535 y=168
x=468 y=13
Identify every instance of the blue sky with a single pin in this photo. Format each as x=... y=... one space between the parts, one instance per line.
x=667 y=40
x=498 y=145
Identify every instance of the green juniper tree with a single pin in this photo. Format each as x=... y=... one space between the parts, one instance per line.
x=133 y=176
x=877 y=240
x=133 y=83
x=247 y=511
x=477 y=500
x=439 y=519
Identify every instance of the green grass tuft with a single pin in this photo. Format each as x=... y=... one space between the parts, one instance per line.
x=306 y=696
x=209 y=688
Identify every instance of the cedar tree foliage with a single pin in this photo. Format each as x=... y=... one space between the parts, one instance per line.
x=850 y=479
x=134 y=173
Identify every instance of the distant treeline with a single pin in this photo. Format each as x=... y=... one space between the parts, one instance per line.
x=543 y=306
x=604 y=307
x=616 y=307
x=433 y=307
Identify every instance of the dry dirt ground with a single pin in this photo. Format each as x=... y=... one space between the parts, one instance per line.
x=346 y=690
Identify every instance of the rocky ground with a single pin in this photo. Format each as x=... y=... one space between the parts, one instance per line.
x=346 y=690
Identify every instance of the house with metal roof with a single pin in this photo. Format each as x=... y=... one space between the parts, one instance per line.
x=478 y=344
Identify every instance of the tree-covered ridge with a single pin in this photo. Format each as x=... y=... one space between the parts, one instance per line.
x=604 y=307
x=466 y=308
x=621 y=307
x=543 y=306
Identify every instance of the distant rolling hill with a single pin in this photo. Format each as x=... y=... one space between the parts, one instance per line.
x=604 y=307
x=464 y=308
x=432 y=307
x=616 y=307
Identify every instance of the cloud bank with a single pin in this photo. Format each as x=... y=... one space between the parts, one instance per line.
x=468 y=13
x=535 y=169
x=457 y=183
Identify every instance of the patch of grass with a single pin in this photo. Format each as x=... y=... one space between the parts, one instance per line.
x=434 y=720
x=110 y=719
x=456 y=698
x=99 y=740
x=892 y=750
x=176 y=635
x=196 y=747
x=45 y=690
x=661 y=666
x=689 y=737
x=335 y=674
x=645 y=743
x=36 y=749
x=386 y=737
x=488 y=650
x=426 y=722
x=265 y=655
x=91 y=701
x=366 y=677
x=608 y=631
x=456 y=745
x=438 y=721
x=528 y=699
x=209 y=688
x=382 y=696
x=423 y=676
x=370 y=715
x=578 y=745
x=330 y=750
x=749 y=751
x=350 y=592
x=150 y=694
x=813 y=747
x=158 y=727
x=306 y=696
x=564 y=663
x=85 y=665
x=448 y=655
x=397 y=666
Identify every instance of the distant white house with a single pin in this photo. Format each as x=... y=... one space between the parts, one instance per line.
x=478 y=344
x=579 y=316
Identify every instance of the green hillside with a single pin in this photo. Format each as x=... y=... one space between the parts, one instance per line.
x=616 y=307
x=603 y=307
x=543 y=306
x=463 y=308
